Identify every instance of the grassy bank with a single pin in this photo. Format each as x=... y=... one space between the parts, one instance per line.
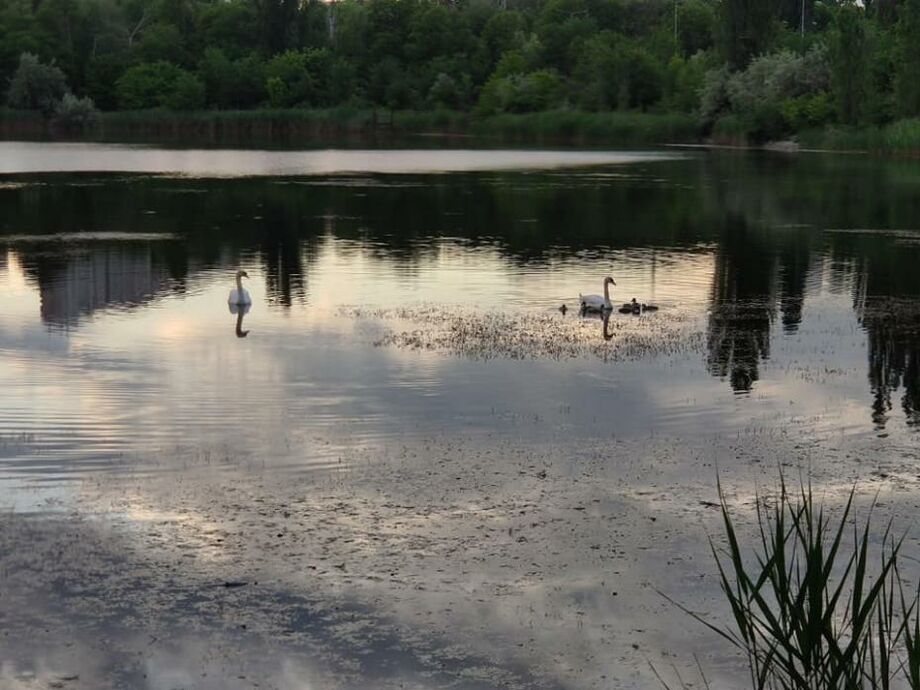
x=21 y=124
x=898 y=138
x=405 y=127
x=362 y=125
x=585 y=128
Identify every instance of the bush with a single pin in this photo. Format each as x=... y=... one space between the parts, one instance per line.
x=772 y=78
x=445 y=92
x=159 y=85
x=75 y=113
x=187 y=93
x=714 y=100
x=36 y=86
x=807 y=112
x=776 y=94
x=146 y=85
x=522 y=93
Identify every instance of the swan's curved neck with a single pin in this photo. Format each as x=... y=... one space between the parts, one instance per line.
x=606 y=292
x=239 y=286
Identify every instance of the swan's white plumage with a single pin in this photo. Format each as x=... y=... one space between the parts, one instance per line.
x=594 y=302
x=597 y=302
x=239 y=295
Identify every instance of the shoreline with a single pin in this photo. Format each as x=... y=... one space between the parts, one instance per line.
x=351 y=127
x=359 y=126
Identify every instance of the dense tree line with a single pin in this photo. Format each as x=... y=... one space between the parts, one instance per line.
x=764 y=67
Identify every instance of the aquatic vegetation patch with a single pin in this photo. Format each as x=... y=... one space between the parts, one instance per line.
x=815 y=609
x=533 y=335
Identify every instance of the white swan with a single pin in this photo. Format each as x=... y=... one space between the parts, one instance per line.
x=596 y=302
x=240 y=295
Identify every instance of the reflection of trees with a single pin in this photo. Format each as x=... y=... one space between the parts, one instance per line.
x=782 y=195
x=794 y=259
x=77 y=284
x=742 y=309
x=282 y=253
x=894 y=358
x=887 y=302
x=762 y=215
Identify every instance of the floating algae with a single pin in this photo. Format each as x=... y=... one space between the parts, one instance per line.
x=533 y=335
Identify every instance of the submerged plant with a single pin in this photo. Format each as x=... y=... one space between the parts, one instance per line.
x=810 y=614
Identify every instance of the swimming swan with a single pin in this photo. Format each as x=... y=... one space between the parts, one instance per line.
x=596 y=302
x=240 y=295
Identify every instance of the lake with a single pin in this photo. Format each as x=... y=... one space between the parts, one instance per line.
x=405 y=466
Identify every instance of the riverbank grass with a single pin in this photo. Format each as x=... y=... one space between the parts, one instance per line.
x=551 y=127
x=898 y=138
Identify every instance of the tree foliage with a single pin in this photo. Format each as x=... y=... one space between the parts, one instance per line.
x=774 y=66
x=36 y=86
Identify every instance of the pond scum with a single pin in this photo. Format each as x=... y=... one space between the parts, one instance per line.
x=533 y=335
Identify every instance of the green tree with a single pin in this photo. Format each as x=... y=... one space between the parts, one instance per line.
x=36 y=86
x=289 y=81
x=232 y=83
x=849 y=46
x=187 y=92
x=696 y=22
x=907 y=80
x=503 y=32
x=159 y=85
x=162 y=41
x=227 y=26
x=445 y=92
x=278 y=21
x=101 y=74
x=746 y=29
x=683 y=81
x=19 y=33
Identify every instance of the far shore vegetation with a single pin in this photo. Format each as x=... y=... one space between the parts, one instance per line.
x=832 y=74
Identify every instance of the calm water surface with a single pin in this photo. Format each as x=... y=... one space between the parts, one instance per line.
x=404 y=297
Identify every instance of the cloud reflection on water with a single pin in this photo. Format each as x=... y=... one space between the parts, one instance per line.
x=411 y=478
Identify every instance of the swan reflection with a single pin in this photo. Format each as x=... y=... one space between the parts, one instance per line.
x=240 y=310
x=604 y=318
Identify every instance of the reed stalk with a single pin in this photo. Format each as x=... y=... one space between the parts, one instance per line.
x=811 y=610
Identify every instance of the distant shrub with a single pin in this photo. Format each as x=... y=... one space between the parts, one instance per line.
x=714 y=97
x=75 y=113
x=776 y=94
